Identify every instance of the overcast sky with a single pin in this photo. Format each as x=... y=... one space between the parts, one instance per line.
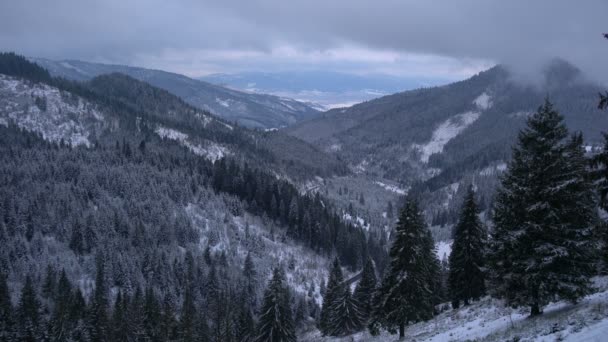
x=449 y=39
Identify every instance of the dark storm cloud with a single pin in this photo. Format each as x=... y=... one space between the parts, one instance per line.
x=520 y=33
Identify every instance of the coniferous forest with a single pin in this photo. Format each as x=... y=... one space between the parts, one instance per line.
x=139 y=236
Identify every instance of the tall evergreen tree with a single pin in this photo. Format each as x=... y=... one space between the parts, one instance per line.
x=98 y=319
x=345 y=317
x=245 y=327
x=600 y=178
x=467 y=261
x=542 y=247
x=250 y=275
x=365 y=290
x=331 y=293
x=276 y=322
x=120 y=329
x=61 y=323
x=406 y=293
x=29 y=313
x=6 y=311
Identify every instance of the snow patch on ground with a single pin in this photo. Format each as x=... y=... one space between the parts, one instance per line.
x=335 y=147
x=223 y=103
x=361 y=167
x=47 y=110
x=358 y=221
x=210 y=150
x=483 y=101
x=493 y=169
x=446 y=131
x=444 y=249
x=391 y=188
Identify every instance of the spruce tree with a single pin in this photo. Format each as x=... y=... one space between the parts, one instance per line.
x=600 y=178
x=60 y=324
x=250 y=275
x=188 y=318
x=98 y=318
x=331 y=293
x=365 y=290
x=245 y=328
x=6 y=311
x=542 y=248
x=345 y=317
x=406 y=293
x=467 y=261
x=276 y=322
x=29 y=313
x=120 y=330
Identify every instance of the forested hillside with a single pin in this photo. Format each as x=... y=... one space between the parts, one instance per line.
x=119 y=224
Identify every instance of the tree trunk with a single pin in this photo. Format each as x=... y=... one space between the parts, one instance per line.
x=401 y=331
x=535 y=310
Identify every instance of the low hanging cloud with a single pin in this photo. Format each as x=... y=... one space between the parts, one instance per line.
x=396 y=36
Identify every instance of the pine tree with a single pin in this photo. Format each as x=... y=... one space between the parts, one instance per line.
x=276 y=322
x=152 y=315
x=345 y=317
x=60 y=324
x=119 y=318
x=332 y=289
x=188 y=319
x=245 y=328
x=406 y=293
x=542 y=247
x=365 y=290
x=29 y=313
x=250 y=275
x=6 y=311
x=98 y=311
x=599 y=176
x=467 y=261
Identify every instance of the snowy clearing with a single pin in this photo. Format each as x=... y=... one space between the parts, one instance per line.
x=210 y=150
x=446 y=131
x=47 y=110
x=391 y=188
x=489 y=320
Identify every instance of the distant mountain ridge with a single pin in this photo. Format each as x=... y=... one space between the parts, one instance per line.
x=331 y=89
x=435 y=139
x=247 y=109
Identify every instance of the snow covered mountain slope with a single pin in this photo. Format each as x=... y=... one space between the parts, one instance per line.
x=489 y=320
x=247 y=109
x=429 y=139
x=55 y=114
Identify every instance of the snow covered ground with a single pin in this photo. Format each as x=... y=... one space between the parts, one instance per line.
x=47 y=110
x=392 y=188
x=490 y=320
x=451 y=127
x=209 y=150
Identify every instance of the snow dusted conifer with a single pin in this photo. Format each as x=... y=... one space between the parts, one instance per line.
x=466 y=262
x=344 y=318
x=276 y=321
x=28 y=313
x=365 y=290
x=6 y=311
x=407 y=290
x=600 y=179
x=331 y=293
x=542 y=247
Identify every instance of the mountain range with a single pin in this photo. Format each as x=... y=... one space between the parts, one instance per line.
x=133 y=167
x=247 y=109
